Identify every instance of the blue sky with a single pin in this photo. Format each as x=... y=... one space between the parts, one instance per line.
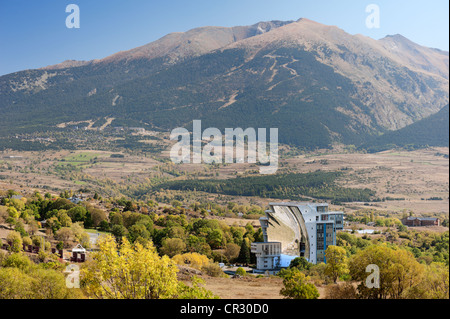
x=33 y=33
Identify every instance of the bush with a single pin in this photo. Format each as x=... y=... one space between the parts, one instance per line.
x=15 y=239
x=296 y=286
x=300 y=263
x=17 y=260
x=213 y=270
x=341 y=291
x=194 y=260
x=27 y=241
x=241 y=272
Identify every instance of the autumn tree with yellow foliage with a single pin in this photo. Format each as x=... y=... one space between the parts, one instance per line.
x=134 y=271
x=194 y=260
x=399 y=272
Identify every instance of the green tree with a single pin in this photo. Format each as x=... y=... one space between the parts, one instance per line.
x=138 y=230
x=15 y=241
x=173 y=246
x=97 y=216
x=336 y=264
x=399 y=271
x=64 y=219
x=77 y=213
x=244 y=253
x=17 y=260
x=12 y=212
x=300 y=263
x=296 y=286
x=231 y=252
x=54 y=224
x=215 y=238
x=119 y=231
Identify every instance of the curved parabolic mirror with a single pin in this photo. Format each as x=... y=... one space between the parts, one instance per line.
x=304 y=238
x=284 y=227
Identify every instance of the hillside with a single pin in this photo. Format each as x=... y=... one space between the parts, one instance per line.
x=318 y=84
x=430 y=131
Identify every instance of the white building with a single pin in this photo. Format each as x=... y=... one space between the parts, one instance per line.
x=267 y=255
x=302 y=228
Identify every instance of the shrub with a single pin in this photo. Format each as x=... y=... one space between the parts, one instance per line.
x=213 y=270
x=241 y=272
x=341 y=291
x=15 y=239
x=296 y=286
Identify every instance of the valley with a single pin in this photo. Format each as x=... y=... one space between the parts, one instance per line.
x=406 y=180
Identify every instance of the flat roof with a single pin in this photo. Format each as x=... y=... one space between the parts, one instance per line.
x=422 y=218
x=267 y=242
x=332 y=212
x=297 y=203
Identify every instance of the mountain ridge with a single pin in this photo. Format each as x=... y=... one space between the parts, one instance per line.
x=430 y=131
x=321 y=84
x=207 y=38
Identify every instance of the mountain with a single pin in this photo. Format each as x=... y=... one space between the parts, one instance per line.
x=181 y=45
x=430 y=131
x=418 y=57
x=318 y=84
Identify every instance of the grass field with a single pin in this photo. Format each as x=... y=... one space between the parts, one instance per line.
x=412 y=176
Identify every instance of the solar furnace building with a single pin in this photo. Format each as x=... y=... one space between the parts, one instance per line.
x=303 y=229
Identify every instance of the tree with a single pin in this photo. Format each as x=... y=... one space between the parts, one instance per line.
x=336 y=264
x=138 y=230
x=77 y=213
x=64 y=219
x=15 y=284
x=194 y=260
x=104 y=226
x=97 y=216
x=31 y=282
x=435 y=284
x=17 y=203
x=215 y=238
x=27 y=241
x=198 y=244
x=173 y=246
x=51 y=284
x=54 y=224
x=17 y=260
x=379 y=222
x=33 y=227
x=244 y=253
x=119 y=231
x=399 y=271
x=3 y=213
x=12 y=212
x=341 y=291
x=232 y=252
x=65 y=235
x=259 y=236
x=300 y=263
x=129 y=272
x=296 y=286
x=20 y=228
x=10 y=221
x=15 y=240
